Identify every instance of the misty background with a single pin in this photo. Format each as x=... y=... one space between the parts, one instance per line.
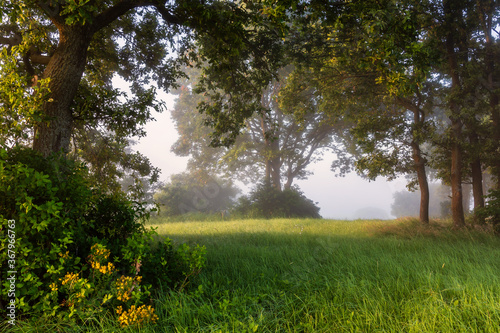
x=349 y=197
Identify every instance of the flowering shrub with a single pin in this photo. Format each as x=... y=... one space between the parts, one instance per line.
x=136 y=316
x=62 y=272
x=102 y=290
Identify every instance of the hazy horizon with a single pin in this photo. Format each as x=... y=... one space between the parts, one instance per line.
x=350 y=197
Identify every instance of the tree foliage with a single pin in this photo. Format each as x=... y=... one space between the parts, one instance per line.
x=274 y=146
x=75 y=48
x=390 y=67
x=195 y=192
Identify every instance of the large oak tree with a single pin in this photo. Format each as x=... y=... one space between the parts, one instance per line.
x=55 y=45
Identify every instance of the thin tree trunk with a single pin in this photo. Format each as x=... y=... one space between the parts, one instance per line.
x=64 y=70
x=477 y=182
x=288 y=184
x=422 y=183
x=457 y=208
x=268 y=172
x=276 y=168
x=495 y=117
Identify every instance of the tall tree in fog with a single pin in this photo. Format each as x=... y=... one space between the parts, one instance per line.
x=274 y=146
x=370 y=74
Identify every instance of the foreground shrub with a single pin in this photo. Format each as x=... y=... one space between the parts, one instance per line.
x=491 y=212
x=73 y=251
x=269 y=202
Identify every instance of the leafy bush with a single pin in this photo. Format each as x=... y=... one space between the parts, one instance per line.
x=269 y=202
x=61 y=234
x=491 y=212
x=43 y=206
x=110 y=217
x=195 y=193
x=181 y=263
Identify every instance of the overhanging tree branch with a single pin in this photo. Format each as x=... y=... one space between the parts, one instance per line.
x=111 y=14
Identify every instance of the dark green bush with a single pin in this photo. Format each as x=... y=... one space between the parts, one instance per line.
x=269 y=202
x=113 y=218
x=44 y=198
x=491 y=212
x=181 y=263
x=52 y=219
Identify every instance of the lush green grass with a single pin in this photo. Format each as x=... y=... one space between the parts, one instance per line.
x=334 y=276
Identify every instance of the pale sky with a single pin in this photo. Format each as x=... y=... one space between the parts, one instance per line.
x=342 y=198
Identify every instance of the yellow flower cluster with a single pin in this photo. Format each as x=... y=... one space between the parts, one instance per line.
x=136 y=316
x=104 y=269
x=69 y=278
x=81 y=294
x=98 y=254
x=100 y=251
x=65 y=255
x=53 y=286
x=125 y=285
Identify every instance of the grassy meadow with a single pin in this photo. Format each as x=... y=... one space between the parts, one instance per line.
x=335 y=276
x=305 y=275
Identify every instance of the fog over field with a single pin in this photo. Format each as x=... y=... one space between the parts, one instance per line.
x=349 y=197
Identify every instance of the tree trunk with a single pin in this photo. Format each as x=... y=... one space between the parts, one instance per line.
x=452 y=14
x=422 y=183
x=495 y=119
x=466 y=191
x=457 y=208
x=268 y=172
x=276 y=169
x=288 y=184
x=64 y=70
x=271 y=153
x=477 y=182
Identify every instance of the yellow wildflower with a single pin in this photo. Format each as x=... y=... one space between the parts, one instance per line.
x=65 y=255
x=69 y=278
x=125 y=285
x=136 y=315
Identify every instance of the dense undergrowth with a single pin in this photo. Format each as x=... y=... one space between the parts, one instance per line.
x=72 y=253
